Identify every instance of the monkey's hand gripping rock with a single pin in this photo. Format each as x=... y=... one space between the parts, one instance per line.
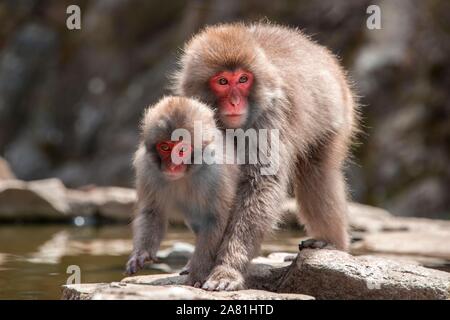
x=137 y=261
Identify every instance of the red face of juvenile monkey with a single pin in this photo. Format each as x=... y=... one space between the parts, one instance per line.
x=231 y=89
x=167 y=152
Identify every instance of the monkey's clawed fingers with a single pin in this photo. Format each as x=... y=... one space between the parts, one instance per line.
x=225 y=279
x=223 y=285
x=137 y=261
x=315 y=244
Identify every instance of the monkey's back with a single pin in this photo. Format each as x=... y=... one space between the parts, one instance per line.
x=315 y=81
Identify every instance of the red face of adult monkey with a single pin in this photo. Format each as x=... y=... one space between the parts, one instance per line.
x=231 y=89
x=270 y=77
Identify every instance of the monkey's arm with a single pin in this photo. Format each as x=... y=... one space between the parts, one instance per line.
x=149 y=228
x=255 y=211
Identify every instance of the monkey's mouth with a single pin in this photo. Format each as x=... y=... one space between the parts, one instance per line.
x=233 y=120
x=172 y=176
x=175 y=172
x=234 y=116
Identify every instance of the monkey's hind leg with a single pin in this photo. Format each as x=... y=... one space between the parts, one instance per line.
x=321 y=196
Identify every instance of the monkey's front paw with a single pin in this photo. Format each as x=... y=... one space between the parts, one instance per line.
x=315 y=244
x=137 y=261
x=224 y=278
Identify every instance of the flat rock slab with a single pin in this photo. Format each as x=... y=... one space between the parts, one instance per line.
x=331 y=274
x=133 y=291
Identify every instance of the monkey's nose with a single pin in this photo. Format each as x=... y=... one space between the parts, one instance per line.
x=235 y=100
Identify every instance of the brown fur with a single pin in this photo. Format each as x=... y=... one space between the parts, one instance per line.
x=204 y=195
x=301 y=90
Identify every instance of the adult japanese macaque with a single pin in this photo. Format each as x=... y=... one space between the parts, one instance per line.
x=264 y=76
x=168 y=179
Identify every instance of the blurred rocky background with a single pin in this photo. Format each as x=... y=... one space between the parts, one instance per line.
x=70 y=100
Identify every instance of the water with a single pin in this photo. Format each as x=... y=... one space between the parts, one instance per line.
x=34 y=258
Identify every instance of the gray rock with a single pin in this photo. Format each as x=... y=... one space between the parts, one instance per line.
x=41 y=199
x=81 y=204
x=420 y=243
x=361 y=217
x=424 y=241
x=165 y=287
x=81 y=291
x=366 y=218
x=49 y=199
x=331 y=274
x=113 y=202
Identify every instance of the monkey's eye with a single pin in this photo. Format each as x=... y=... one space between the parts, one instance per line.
x=164 y=147
x=223 y=81
x=243 y=79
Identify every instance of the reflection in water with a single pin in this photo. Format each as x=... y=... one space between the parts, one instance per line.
x=52 y=250
x=34 y=259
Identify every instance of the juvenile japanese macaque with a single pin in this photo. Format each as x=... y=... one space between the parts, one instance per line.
x=169 y=180
x=265 y=76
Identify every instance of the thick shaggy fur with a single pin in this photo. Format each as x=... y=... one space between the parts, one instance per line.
x=299 y=89
x=204 y=195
